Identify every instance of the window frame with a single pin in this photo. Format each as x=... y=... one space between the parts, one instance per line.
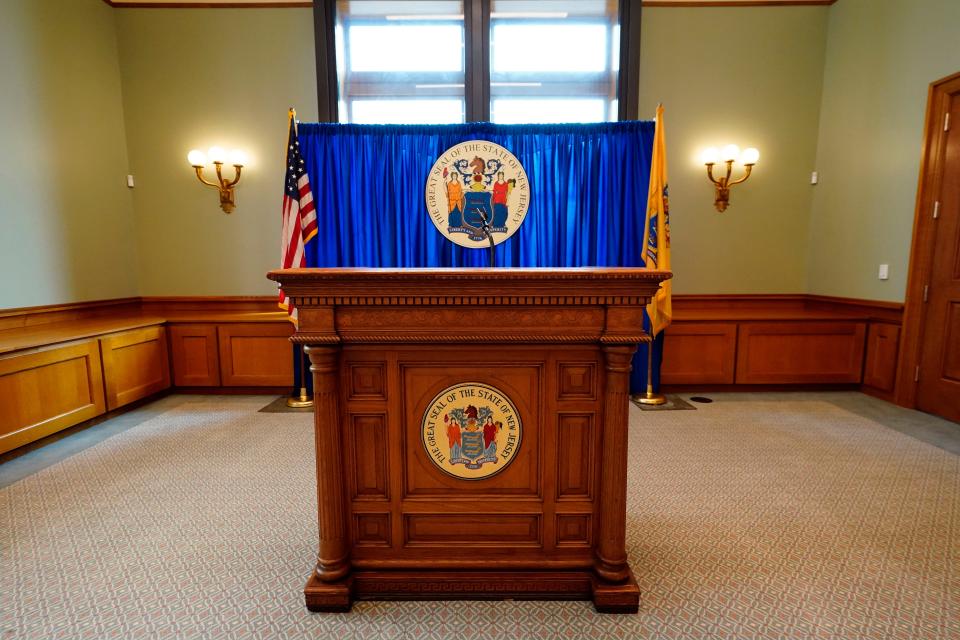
x=476 y=16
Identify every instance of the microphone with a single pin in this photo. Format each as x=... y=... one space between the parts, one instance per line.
x=485 y=227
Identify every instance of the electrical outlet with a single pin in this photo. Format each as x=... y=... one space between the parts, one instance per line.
x=814 y=177
x=884 y=272
x=130 y=181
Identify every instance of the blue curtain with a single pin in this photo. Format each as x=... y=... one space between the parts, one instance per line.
x=588 y=186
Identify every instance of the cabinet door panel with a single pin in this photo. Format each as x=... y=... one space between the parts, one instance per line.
x=256 y=354
x=195 y=354
x=46 y=391
x=699 y=353
x=135 y=365
x=880 y=370
x=798 y=352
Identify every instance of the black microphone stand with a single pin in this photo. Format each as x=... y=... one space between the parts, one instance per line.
x=485 y=228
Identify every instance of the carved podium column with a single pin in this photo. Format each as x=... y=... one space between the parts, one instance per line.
x=333 y=556
x=471 y=431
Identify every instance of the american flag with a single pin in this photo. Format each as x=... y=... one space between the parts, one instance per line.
x=299 y=214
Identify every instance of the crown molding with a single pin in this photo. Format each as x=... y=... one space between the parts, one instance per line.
x=301 y=4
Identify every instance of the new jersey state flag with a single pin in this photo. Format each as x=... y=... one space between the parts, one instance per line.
x=656 y=230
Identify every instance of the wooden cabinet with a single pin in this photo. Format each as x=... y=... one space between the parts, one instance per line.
x=256 y=354
x=195 y=355
x=46 y=391
x=135 y=365
x=800 y=352
x=699 y=353
x=880 y=368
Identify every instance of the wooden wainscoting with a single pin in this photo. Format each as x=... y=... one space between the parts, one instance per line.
x=782 y=340
x=105 y=354
x=47 y=390
x=61 y=365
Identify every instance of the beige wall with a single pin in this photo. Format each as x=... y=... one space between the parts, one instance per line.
x=881 y=57
x=66 y=220
x=749 y=76
x=840 y=89
x=173 y=104
x=191 y=79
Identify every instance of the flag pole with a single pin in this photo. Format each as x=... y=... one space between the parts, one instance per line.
x=303 y=400
x=650 y=397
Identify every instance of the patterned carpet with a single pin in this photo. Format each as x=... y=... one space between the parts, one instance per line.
x=776 y=519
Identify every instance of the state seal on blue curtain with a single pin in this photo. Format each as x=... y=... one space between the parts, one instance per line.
x=471 y=430
x=473 y=183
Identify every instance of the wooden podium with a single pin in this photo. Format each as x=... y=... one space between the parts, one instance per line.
x=471 y=431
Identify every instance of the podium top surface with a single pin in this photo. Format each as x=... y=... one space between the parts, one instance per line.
x=476 y=285
x=478 y=274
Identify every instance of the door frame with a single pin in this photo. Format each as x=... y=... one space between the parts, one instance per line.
x=921 y=248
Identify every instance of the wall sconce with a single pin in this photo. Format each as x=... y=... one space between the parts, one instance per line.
x=729 y=155
x=198 y=160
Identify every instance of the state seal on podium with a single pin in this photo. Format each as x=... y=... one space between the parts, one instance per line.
x=471 y=431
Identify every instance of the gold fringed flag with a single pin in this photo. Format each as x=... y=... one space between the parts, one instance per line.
x=656 y=230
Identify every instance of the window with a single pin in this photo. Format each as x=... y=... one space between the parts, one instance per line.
x=553 y=61
x=400 y=62
x=448 y=61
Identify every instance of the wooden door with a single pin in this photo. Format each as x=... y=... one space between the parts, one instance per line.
x=938 y=388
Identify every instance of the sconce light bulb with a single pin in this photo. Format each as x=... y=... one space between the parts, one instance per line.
x=749 y=156
x=238 y=158
x=709 y=156
x=197 y=158
x=217 y=155
x=730 y=152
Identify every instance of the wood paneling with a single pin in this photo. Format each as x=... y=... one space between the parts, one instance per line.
x=473 y=530
x=800 y=352
x=24 y=317
x=423 y=375
x=577 y=380
x=255 y=355
x=135 y=365
x=367 y=380
x=574 y=452
x=370 y=443
x=44 y=392
x=372 y=529
x=880 y=368
x=195 y=355
x=573 y=529
x=699 y=353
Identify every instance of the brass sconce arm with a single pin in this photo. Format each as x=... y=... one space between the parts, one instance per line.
x=198 y=161
x=723 y=183
x=204 y=180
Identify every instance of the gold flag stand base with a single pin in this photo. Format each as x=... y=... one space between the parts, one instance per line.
x=650 y=397
x=301 y=401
